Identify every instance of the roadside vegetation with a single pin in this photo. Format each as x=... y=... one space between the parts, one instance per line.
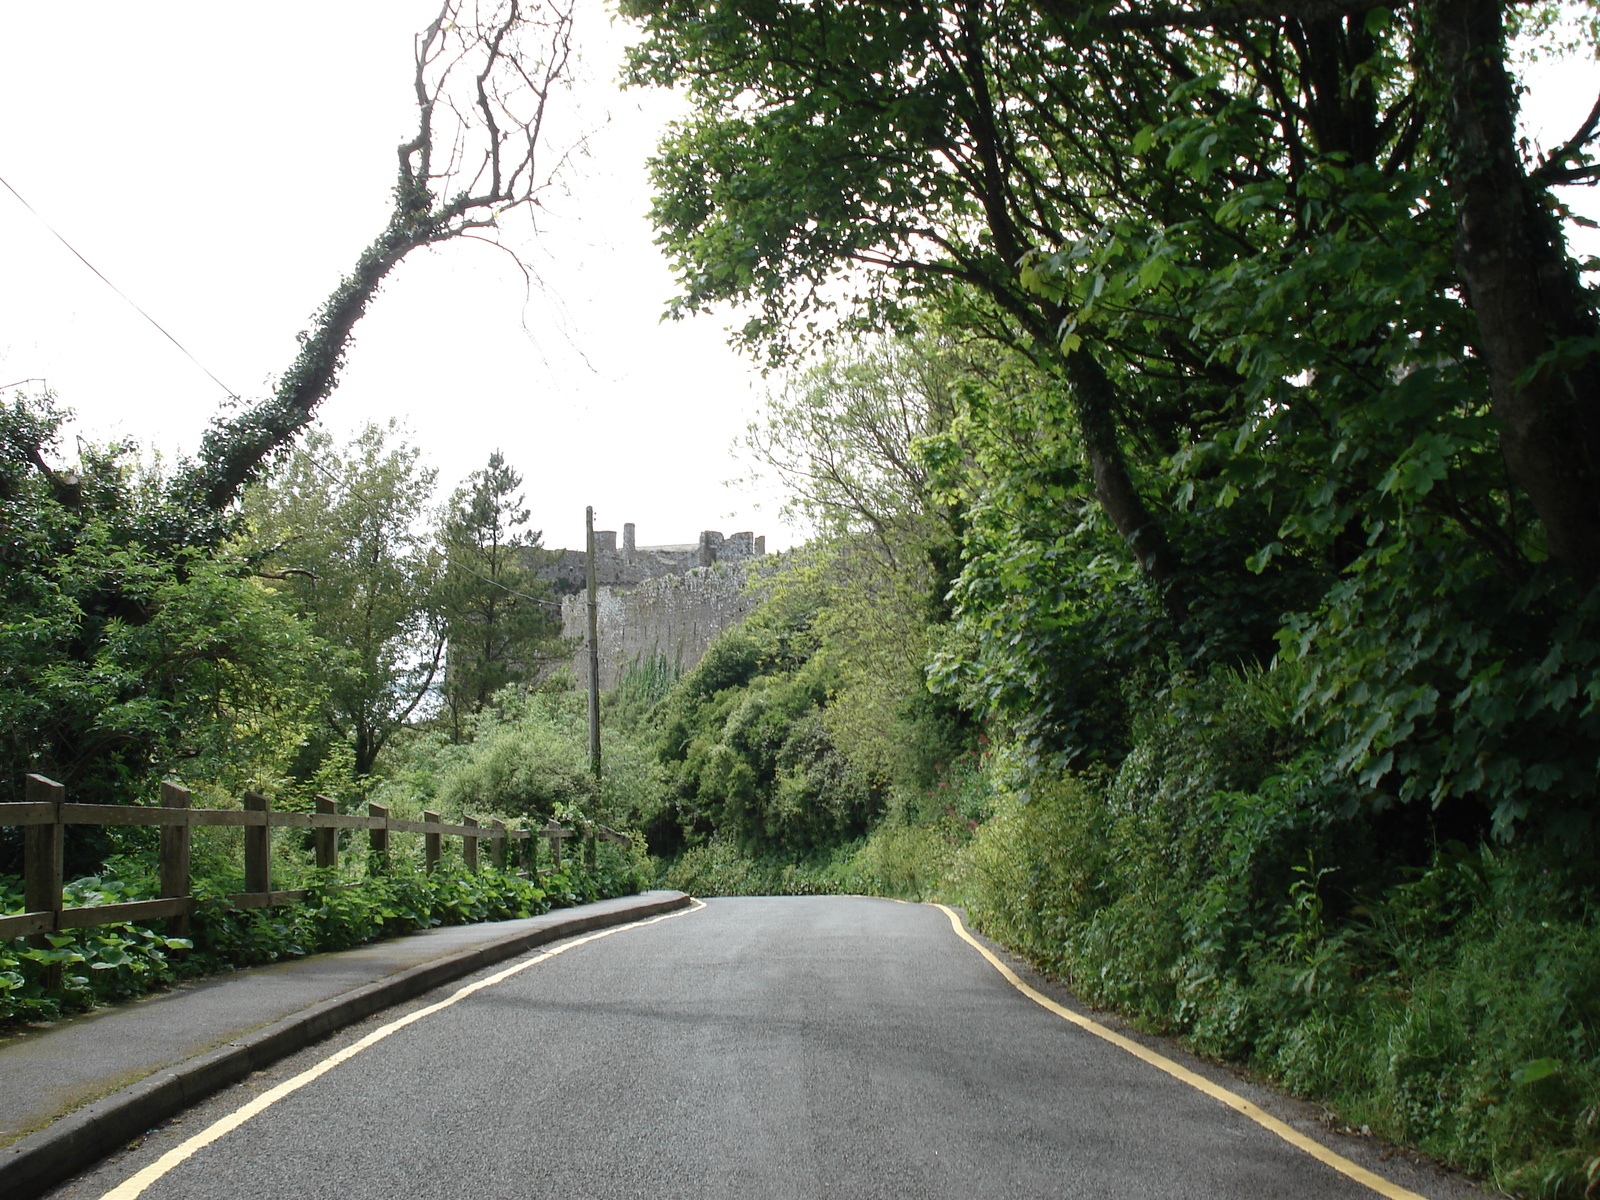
x=109 y=963
x=1206 y=495
x=1203 y=586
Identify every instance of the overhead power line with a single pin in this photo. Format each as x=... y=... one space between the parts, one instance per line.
x=101 y=275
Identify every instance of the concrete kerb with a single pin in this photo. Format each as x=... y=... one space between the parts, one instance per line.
x=35 y=1163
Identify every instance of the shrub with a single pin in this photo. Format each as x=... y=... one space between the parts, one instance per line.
x=719 y=868
x=107 y=963
x=1217 y=887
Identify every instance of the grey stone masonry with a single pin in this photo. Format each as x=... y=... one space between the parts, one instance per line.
x=673 y=617
x=631 y=564
x=654 y=601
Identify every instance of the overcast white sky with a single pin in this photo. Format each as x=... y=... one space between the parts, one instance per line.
x=225 y=163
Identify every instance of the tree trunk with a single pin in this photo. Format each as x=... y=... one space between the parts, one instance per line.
x=1527 y=300
x=236 y=450
x=1094 y=399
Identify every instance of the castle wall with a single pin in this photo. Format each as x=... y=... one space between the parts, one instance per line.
x=669 y=601
x=630 y=565
x=673 y=616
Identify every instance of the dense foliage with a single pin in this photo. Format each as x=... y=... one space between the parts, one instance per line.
x=338 y=533
x=1255 y=371
x=1213 y=889
x=119 y=961
x=296 y=657
x=746 y=746
x=1251 y=514
x=1196 y=407
x=121 y=658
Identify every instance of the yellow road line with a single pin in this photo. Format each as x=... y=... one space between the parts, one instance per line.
x=136 y=1184
x=1341 y=1164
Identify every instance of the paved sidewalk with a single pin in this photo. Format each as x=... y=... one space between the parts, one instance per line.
x=78 y=1089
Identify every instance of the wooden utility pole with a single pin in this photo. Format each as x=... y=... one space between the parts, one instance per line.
x=594 y=649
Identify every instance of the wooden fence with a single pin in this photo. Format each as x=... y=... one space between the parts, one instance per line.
x=45 y=814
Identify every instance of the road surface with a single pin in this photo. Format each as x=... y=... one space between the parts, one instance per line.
x=765 y=1047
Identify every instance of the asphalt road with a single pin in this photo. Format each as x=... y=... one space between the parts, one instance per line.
x=785 y=1047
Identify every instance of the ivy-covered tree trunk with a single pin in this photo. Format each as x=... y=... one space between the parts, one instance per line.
x=471 y=64
x=1536 y=327
x=236 y=449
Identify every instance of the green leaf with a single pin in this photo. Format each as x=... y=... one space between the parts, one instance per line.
x=1532 y=1072
x=1258 y=561
x=1150 y=274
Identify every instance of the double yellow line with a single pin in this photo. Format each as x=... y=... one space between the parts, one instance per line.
x=137 y=1184
x=1341 y=1164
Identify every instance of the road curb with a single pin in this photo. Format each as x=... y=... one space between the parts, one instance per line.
x=29 y=1166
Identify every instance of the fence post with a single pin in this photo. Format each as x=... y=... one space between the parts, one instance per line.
x=589 y=852
x=378 y=837
x=497 y=845
x=430 y=843
x=257 y=847
x=469 y=844
x=556 y=835
x=42 y=856
x=326 y=840
x=530 y=853
x=175 y=857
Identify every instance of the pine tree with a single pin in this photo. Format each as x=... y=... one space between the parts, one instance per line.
x=501 y=622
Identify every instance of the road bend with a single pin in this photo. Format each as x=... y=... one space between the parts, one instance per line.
x=765 y=1047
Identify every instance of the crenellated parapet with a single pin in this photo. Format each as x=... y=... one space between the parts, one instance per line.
x=630 y=564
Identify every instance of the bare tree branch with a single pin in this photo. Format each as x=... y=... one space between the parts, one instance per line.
x=490 y=79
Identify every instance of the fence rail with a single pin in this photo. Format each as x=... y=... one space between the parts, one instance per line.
x=46 y=813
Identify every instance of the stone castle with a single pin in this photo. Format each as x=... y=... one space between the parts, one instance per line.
x=653 y=602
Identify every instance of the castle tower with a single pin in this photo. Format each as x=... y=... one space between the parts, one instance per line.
x=710 y=546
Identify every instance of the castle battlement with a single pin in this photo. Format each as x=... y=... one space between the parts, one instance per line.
x=630 y=564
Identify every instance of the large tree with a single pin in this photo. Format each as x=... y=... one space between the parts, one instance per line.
x=484 y=77
x=1269 y=263
x=959 y=144
x=846 y=438
x=120 y=663
x=340 y=531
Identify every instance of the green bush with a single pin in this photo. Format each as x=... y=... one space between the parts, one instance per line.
x=719 y=868
x=907 y=862
x=528 y=760
x=756 y=764
x=1216 y=887
x=107 y=963
x=98 y=965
